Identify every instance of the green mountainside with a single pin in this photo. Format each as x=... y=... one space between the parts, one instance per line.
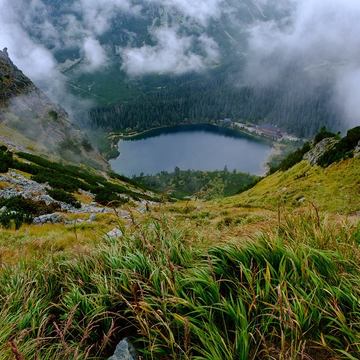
x=195 y=99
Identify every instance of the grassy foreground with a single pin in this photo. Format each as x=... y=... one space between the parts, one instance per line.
x=293 y=293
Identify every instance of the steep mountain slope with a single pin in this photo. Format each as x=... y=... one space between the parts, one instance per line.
x=335 y=188
x=29 y=119
x=48 y=198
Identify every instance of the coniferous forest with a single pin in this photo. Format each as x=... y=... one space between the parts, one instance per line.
x=208 y=99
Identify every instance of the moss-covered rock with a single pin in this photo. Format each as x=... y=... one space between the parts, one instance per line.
x=320 y=149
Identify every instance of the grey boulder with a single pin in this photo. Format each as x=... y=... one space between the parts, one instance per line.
x=48 y=219
x=115 y=234
x=124 y=351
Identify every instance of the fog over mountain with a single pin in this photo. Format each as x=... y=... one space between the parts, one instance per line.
x=303 y=45
x=319 y=41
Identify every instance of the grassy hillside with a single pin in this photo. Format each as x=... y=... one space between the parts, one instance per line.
x=335 y=188
x=86 y=202
x=272 y=273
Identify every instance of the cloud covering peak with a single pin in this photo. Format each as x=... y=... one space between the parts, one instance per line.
x=319 y=42
x=201 y=11
x=303 y=43
x=172 y=54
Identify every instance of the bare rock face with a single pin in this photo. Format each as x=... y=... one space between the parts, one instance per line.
x=314 y=155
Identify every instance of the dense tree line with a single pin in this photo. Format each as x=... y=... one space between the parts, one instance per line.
x=202 y=100
x=203 y=184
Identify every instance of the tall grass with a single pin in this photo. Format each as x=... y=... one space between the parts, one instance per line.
x=269 y=299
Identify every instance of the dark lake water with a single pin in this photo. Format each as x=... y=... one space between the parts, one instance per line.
x=197 y=147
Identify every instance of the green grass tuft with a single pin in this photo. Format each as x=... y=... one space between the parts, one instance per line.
x=285 y=297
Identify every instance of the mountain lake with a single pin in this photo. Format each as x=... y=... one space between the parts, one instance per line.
x=195 y=147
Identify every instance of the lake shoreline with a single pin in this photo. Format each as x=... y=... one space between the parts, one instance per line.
x=242 y=144
x=115 y=137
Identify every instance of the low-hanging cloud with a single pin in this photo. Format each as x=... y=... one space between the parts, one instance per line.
x=32 y=57
x=33 y=34
x=172 y=54
x=96 y=15
x=201 y=11
x=94 y=54
x=317 y=42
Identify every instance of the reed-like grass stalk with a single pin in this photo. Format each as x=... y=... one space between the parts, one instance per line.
x=288 y=295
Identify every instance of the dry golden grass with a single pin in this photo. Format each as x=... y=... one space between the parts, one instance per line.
x=22 y=173
x=333 y=189
x=84 y=197
x=3 y=185
x=17 y=138
x=34 y=242
x=228 y=220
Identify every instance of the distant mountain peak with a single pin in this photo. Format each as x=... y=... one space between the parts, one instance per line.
x=12 y=80
x=4 y=53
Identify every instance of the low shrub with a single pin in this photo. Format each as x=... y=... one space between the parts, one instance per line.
x=25 y=167
x=53 y=115
x=324 y=134
x=20 y=210
x=63 y=196
x=292 y=159
x=15 y=218
x=343 y=149
x=126 y=180
x=106 y=197
x=6 y=159
x=70 y=178
x=28 y=206
x=65 y=169
x=59 y=181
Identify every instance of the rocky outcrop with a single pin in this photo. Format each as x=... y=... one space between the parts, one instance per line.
x=115 y=234
x=319 y=150
x=48 y=219
x=124 y=351
x=12 y=81
x=357 y=150
x=19 y=185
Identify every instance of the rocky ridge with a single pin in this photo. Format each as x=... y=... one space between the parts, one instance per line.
x=13 y=184
x=13 y=82
x=19 y=185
